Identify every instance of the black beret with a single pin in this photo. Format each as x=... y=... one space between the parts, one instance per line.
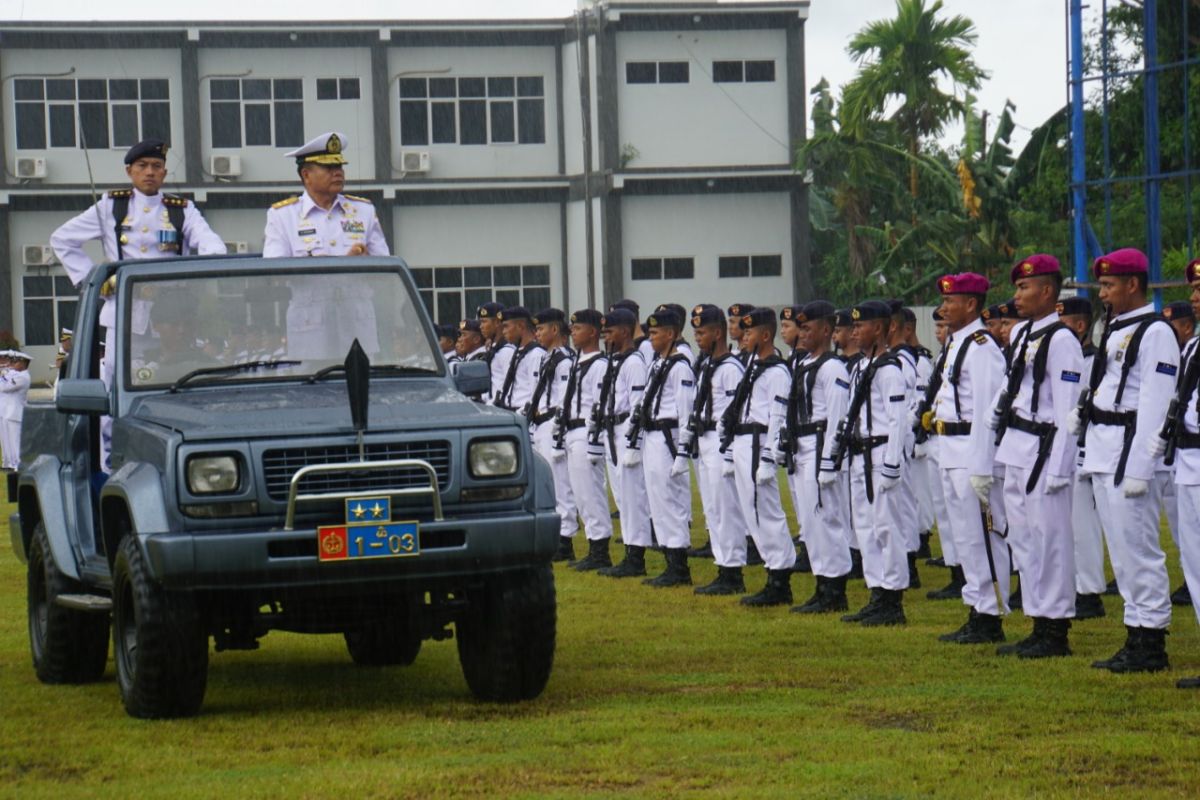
x=870 y=310
x=706 y=314
x=550 y=315
x=148 y=148
x=489 y=311
x=667 y=318
x=937 y=315
x=469 y=325
x=908 y=314
x=446 y=331
x=738 y=309
x=1075 y=305
x=818 y=309
x=844 y=320
x=897 y=307
x=678 y=309
x=587 y=316
x=515 y=312
x=756 y=317
x=1180 y=309
x=628 y=305
x=618 y=317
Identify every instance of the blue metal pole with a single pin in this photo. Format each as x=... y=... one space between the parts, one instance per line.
x=1150 y=115
x=1078 y=163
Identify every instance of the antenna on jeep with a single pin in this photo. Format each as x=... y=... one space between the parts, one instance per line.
x=358 y=378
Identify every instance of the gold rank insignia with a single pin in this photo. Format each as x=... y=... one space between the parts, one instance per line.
x=747 y=321
x=287 y=201
x=696 y=321
x=462 y=326
x=334 y=145
x=946 y=285
x=1060 y=308
x=1104 y=267
x=787 y=313
x=855 y=314
x=1027 y=268
x=698 y=309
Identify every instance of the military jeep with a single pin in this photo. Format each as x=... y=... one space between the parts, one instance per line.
x=289 y=451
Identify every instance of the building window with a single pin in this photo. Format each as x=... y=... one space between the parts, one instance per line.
x=90 y=112
x=743 y=72
x=769 y=266
x=657 y=72
x=257 y=112
x=338 y=89
x=452 y=294
x=472 y=111
x=656 y=269
x=50 y=302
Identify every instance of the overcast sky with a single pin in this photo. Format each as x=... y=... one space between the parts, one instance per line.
x=1021 y=42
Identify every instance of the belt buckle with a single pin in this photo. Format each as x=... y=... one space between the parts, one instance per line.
x=940 y=427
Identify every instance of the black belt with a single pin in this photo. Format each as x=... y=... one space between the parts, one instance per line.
x=746 y=428
x=863 y=444
x=1044 y=431
x=544 y=417
x=942 y=428
x=616 y=419
x=811 y=428
x=575 y=424
x=709 y=426
x=1188 y=441
x=1124 y=419
x=661 y=425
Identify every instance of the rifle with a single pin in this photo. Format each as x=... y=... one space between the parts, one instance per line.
x=845 y=428
x=635 y=427
x=1173 y=425
x=1084 y=408
x=729 y=419
x=985 y=513
x=924 y=417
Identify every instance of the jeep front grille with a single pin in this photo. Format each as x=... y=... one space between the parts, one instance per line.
x=280 y=465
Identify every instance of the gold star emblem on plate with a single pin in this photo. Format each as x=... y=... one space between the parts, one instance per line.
x=376 y=511
x=358 y=511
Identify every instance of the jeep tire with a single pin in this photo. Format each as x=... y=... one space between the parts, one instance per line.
x=383 y=643
x=506 y=635
x=160 y=648
x=68 y=645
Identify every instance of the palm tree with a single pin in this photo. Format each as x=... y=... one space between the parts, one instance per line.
x=905 y=59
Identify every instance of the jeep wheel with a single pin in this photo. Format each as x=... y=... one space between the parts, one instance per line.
x=159 y=647
x=68 y=646
x=383 y=644
x=506 y=636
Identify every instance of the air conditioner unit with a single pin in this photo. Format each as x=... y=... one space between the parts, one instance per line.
x=37 y=255
x=237 y=247
x=225 y=166
x=414 y=161
x=28 y=167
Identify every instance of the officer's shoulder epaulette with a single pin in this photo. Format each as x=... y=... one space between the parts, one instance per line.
x=173 y=201
x=980 y=337
x=121 y=193
x=357 y=199
x=287 y=201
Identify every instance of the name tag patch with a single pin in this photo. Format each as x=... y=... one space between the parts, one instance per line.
x=1070 y=377
x=685 y=383
x=896 y=398
x=842 y=383
x=1166 y=369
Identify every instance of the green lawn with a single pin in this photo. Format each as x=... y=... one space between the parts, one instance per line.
x=654 y=693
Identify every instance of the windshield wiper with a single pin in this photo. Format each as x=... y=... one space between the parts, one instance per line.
x=389 y=369
x=248 y=366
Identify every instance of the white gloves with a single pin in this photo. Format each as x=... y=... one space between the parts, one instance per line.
x=727 y=469
x=1083 y=474
x=765 y=473
x=1135 y=487
x=886 y=484
x=558 y=453
x=982 y=484
x=679 y=466
x=993 y=421
x=826 y=477
x=632 y=458
x=1156 y=447
x=1074 y=422
x=1055 y=484
x=921 y=450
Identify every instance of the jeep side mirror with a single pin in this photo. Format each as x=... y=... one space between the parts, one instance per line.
x=81 y=396
x=472 y=378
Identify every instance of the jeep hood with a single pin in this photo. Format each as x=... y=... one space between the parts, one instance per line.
x=307 y=410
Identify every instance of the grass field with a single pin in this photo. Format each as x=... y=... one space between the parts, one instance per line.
x=655 y=693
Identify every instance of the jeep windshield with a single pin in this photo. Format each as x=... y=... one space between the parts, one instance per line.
x=257 y=327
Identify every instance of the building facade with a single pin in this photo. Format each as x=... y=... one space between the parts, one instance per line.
x=636 y=149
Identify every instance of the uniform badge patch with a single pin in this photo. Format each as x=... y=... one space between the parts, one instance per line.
x=896 y=398
x=1070 y=377
x=842 y=383
x=1166 y=369
x=686 y=382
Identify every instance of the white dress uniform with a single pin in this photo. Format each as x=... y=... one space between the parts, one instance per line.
x=1085 y=521
x=822 y=511
x=554 y=374
x=1131 y=523
x=665 y=408
x=521 y=379
x=1187 y=481
x=880 y=429
x=726 y=523
x=907 y=498
x=14 y=390
x=1039 y=520
x=628 y=481
x=966 y=396
x=755 y=442
x=585 y=463
x=499 y=357
x=922 y=468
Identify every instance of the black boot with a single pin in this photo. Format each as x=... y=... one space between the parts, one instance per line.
x=987 y=629
x=914 y=577
x=633 y=565
x=813 y=604
x=1149 y=653
x=869 y=608
x=1029 y=641
x=596 y=558
x=856 y=572
x=890 y=610
x=923 y=551
x=953 y=589
x=1181 y=596
x=566 y=549
x=1188 y=683
x=753 y=559
x=777 y=592
x=728 y=581
x=1051 y=643
x=1089 y=606
x=957 y=635
x=1119 y=657
x=1112 y=589
x=803 y=564
x=703 y=551
x=676 y=573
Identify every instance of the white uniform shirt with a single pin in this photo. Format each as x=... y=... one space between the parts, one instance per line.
x=830 y=401
x=1148 y=391
x=1057 y=395
x=629 y=385
x=501 y=358
x=979 y=382
x=674 y=401
x=888 y=402
x=767 y=404
x=725 y=380
x=299 y=227
x=1187 y=461
x=14 y=389
x=588 y=384
x=556 y=384
x=525 y=378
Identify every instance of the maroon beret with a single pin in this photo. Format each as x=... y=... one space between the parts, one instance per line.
x=1126 y=261
x=963 y=283
x=1036 y=264
x=1193 y=270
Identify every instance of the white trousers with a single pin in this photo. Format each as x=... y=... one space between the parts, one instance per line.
x=822 y=513
x=10 y=442
x=629 y=490
x=670 y=497
x=726 y=527
x=564 y=498
x=1140 y=566
x=1089 y=539
x=762 y=509
x=1042 y=522
x=944 y=523
x=876 y=527
x=588 y=487
x=1168 y=501
x=924 y=478
x=1188 y=497
x=970 y=546
x=909 y=511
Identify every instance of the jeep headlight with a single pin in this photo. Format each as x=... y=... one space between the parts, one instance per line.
x=493 y=459
x=212 y=474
